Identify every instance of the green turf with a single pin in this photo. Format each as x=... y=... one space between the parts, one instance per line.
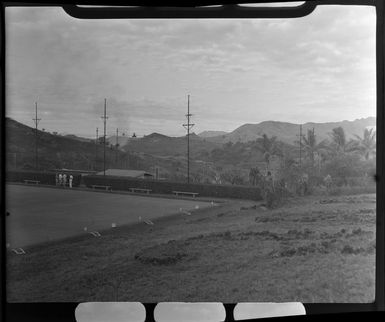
x=40 y=214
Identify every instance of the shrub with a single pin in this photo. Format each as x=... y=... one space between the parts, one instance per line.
x=349 y=250
x=338 y=191
x=48 y=178
x=275 y=197
x=166 y=187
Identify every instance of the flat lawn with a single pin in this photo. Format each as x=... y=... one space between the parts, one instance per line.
x=312 y=249
x=41 y=214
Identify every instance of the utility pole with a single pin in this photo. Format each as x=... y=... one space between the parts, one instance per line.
x=188 y=126
x=104 y=118
x=96 y=147
x=300 y=146
x=36 y=120
x=116 y=155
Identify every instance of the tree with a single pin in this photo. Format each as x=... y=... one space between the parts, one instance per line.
x=339 y=143
x=269 y=147
x=255 y=176
x=311 y=147
x=366 y=145
x=232 y=176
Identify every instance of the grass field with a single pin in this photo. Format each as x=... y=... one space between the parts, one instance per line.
x=313 y=249
x=41 y=214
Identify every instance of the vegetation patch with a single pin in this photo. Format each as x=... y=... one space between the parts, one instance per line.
x=247 y=208
x=300 y=234
x=338 y=234
x=265 y=234
x=328 y=201
x=164 y=254
x=268 y=219
x=349 y=250
x=303 y=250
x=359 y=233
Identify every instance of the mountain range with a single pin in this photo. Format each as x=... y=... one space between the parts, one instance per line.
x=74 y=151
x=289 y=132
x=163 y=145
x=58 y=151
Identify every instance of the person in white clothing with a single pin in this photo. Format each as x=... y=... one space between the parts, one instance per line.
x=64 y=179
x=70 y=180
x=60 y=179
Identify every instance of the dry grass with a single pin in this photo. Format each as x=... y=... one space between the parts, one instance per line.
x=310 y=250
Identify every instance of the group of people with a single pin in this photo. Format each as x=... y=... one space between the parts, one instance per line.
x=64 y=179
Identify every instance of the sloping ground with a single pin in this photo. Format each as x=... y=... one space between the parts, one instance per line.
x=162 y=145
x=314 y=249
x=55 y=151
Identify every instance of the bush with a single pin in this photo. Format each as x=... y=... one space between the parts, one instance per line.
x=167 y=187
x=338 y=191
x=48 y=178
x=275 y=197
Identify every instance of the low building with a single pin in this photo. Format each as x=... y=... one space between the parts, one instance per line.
x=138 y=174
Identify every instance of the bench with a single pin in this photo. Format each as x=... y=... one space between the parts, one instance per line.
x=32 y=181
x=185 y=193
x=94 y=186
x=140 y=190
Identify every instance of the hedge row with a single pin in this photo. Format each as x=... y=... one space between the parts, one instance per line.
x=167 y=187
x=44 y=177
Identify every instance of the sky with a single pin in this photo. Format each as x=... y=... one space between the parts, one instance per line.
x=318 y=68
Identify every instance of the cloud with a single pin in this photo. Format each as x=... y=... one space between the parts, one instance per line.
x=236 y=71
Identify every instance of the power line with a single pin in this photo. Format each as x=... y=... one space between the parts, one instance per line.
x=104 y=118
x=300 y=146
x=188 y=126
x=116 y=155
x=36 y=120
x=96 y=147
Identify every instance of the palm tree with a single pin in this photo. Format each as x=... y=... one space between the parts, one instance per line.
x=367 y=144
x=338 y=139
x=254 y=176
x=269 y=147
x=339 y=144
x=311 y=147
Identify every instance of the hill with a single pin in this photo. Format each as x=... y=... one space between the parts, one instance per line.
x=209 y=134
x=288 y=132
x=162 y=145
x=79 y=138
x=56 y=151
x=122 y=140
